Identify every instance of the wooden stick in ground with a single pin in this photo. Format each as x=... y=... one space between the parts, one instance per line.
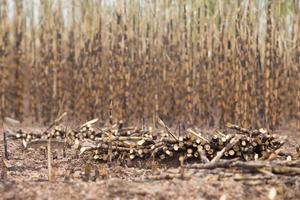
x=219 y=155
x=160 y=122
x=12 y=122
x=4 y=141
x=5 y=145
x=56 y=122
x=49 y=160
x=109 y=151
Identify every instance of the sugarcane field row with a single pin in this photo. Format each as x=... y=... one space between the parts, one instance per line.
x=197 y=62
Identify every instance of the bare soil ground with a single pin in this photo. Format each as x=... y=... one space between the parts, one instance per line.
x=27 y=179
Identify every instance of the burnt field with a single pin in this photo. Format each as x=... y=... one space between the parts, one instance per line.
x=152 y=99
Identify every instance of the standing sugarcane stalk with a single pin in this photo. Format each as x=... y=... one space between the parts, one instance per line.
x=298 y=88
x=4 y=70
x=33 y=105
x=267 y=69
x=19 y=25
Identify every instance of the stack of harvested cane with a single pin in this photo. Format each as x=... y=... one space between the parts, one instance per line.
x=56 y=133
x=244 y=144
x=118 y=142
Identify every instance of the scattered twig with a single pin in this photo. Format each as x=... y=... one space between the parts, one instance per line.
x=160 y=122
x=56 y=122
x=197 y=135
x=93 y=121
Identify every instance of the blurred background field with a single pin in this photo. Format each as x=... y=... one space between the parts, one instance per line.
x=204 y=62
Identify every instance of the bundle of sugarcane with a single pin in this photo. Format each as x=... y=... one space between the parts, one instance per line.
x=193 y=146
x=112 y=143
x=116 y=141
x=52 y=131
x=55 y=133
x=87 y=131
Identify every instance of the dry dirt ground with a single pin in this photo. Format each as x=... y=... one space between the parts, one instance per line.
x=27 y=179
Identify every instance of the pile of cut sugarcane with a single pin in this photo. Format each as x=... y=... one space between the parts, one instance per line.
x=118 y=142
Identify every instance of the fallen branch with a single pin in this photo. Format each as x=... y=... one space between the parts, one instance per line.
x=250 y=165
